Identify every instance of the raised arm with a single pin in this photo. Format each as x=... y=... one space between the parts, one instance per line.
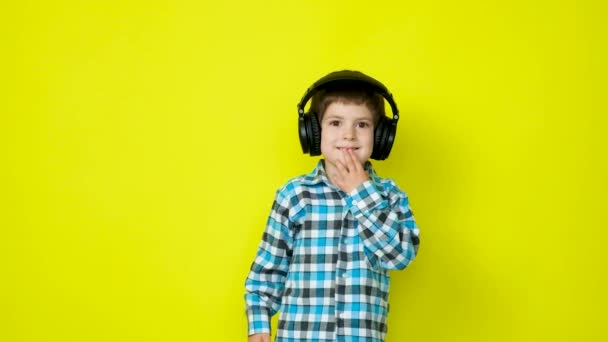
x=386 y=222
x=386 y=225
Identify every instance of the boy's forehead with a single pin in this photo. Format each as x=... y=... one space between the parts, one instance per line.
x=348 y=110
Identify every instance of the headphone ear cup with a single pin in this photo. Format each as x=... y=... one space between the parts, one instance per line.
x=391 y=132
x=384 y=137
x=315 y=135
x=379 y=140
x=302 y=130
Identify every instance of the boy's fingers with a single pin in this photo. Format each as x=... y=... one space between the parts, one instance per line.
x=354 y=163
x=347 y=159
x=341 y=175
x=341 y=168
x=344 y=161
x=333 y=175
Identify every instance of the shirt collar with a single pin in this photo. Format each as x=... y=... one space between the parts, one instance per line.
x=318 y=174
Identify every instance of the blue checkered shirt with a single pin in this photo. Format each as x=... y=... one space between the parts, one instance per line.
x=324 y=258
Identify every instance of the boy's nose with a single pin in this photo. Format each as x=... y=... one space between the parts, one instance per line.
x=348 y=133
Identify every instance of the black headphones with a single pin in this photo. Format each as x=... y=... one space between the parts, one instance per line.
x=310 y=128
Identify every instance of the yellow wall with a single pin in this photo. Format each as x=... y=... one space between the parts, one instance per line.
x=142 y=142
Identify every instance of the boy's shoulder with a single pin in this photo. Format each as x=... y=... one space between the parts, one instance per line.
x=298 y=183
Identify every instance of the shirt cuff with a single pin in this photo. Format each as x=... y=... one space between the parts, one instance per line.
x=365 y=197
x=258 y=320
x=362 y=201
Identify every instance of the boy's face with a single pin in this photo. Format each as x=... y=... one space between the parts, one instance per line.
x=344 y=126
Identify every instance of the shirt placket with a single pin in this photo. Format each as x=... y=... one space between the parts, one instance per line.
x=342 y=276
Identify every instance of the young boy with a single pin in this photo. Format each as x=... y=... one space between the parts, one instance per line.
x=333 y=234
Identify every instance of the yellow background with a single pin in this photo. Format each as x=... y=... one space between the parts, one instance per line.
x=143 y=141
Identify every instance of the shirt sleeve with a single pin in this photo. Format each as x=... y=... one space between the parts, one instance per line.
x=266 y=279
x=386 y=225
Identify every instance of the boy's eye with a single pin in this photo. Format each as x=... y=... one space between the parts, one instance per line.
x=334 y=123
x=363 y=124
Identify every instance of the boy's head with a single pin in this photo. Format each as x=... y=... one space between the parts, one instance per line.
x=347 y=88
x=348 y=117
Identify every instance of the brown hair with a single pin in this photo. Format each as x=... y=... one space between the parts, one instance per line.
x=357 y=95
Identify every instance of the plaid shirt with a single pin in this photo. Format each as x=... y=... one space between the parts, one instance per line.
x=324 y=258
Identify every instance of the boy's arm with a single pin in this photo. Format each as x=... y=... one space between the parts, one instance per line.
x=265 y=282
x=386 y=225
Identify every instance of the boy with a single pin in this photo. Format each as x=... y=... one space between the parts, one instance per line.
x=333 y=234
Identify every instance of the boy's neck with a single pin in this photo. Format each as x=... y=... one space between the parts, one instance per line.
x=329 y=170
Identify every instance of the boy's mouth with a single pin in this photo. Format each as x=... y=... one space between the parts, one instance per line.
x=347 y=148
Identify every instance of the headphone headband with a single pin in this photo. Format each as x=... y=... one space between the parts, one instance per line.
x=347 y=78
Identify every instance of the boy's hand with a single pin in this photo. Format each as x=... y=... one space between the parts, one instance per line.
x=350 y=173
x=259 y=338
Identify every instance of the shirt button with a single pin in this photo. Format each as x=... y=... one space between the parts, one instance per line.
x=354 y=202
x=344 y=275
